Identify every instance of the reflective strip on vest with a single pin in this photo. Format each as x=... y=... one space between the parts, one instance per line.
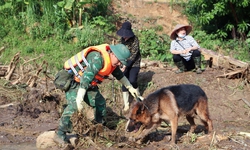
x=81 y=57
x=78 y=63
x=73 y=69
x=84 y=59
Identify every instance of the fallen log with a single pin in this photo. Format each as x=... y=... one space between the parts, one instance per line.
x=221 y=60
x=235 y=68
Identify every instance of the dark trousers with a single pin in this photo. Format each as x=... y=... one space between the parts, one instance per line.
x=132 y=74
x=189 y=65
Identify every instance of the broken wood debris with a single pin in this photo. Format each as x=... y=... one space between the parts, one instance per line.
x=235 y=69
x=21 y=71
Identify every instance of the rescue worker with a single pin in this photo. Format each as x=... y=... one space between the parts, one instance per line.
x=96 y=63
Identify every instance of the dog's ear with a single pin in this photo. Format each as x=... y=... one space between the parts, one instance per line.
x=140 y=108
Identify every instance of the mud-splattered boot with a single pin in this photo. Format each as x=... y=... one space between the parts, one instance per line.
x=180 y=66
x=197 y=62
x=60 y=138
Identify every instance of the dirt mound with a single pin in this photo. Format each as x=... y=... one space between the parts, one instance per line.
x=26 y=113
x=149 y=14
x=36 y=102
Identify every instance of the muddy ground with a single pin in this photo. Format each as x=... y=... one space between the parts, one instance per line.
x=26 y=112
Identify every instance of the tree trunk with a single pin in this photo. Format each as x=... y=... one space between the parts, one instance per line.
x=221 y=60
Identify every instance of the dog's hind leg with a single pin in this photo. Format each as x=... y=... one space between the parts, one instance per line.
x=207 y=122
x=174 y=126
x=190 y=119
x=202 y=112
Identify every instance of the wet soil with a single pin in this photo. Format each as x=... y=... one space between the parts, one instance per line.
x=32 y=113
x=27 y=112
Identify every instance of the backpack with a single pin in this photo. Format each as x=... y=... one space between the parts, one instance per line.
x=63 y=80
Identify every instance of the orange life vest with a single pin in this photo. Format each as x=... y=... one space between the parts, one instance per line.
x=80 y=57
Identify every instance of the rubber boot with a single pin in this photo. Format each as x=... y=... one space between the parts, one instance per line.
x=60 y=138
x=197 y=62
x=180 y=66
x=126 y=100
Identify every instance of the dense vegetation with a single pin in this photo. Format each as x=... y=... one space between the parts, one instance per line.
x=225 y=23
x=60 y=28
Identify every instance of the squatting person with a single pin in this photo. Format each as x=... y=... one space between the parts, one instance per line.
x=185 y=49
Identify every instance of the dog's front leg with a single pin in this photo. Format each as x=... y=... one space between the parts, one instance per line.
x=146 y=131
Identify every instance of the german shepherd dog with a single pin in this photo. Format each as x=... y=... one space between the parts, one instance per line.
x=167 y=104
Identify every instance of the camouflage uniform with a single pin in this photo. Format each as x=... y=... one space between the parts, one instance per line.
x=93 y=97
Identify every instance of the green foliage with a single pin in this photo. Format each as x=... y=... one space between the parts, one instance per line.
x=237 y=49
x=99 y=8
x=11 y=7
x=88 y=36
x=225 y=18
x=103 y=23
x=3 y=31
x=208 y=41
x=58 y=29
x=154 y=46
x=55 y=52
x=77 y=11
x=222 y=26
x=43 y=29
x=193 y=138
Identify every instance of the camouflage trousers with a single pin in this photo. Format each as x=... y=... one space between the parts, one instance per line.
x=92 y=97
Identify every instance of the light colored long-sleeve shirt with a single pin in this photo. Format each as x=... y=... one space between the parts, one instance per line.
x=180 y=45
